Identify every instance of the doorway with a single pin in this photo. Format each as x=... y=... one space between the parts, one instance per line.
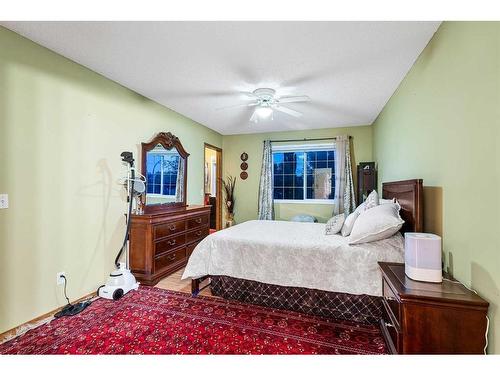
x=213 y=184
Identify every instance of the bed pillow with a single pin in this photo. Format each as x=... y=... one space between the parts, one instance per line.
x=349 y=223
x=376 y=224
x=334 y=225
x=372 y=200
x=386 y=201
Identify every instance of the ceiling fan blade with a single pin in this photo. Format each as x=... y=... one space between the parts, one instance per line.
x=288 y=111
x=249 y=94
x=254 y=117
x=294 y=99
x=238 y=105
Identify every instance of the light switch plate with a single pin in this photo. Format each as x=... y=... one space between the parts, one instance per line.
x=4 y=201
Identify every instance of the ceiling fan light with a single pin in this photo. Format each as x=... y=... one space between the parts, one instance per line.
x=264 y=112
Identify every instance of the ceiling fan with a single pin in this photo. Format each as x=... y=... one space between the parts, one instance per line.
x=266 y=102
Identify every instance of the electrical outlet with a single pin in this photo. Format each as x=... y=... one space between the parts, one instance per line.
x=4 y=201
x=59 y=278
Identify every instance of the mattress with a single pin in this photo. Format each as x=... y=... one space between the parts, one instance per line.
x=294 y=254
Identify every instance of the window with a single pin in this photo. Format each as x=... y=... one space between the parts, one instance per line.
x=304 y=173
x=162 y=179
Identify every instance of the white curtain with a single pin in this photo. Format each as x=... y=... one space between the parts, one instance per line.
x=179 y=184
x=266 y=207
x=344 y=188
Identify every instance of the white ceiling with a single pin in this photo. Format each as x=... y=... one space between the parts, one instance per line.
x=348 y=69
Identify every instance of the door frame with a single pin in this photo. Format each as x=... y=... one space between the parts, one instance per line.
x=218 y=193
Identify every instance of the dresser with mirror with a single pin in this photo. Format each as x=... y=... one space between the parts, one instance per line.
x=165 y=234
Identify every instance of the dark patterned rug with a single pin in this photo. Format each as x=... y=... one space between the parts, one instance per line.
x=156 y=321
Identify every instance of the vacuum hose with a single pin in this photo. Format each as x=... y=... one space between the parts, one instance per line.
x=130 y=199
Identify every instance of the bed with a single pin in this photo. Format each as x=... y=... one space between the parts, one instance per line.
x=294 y=266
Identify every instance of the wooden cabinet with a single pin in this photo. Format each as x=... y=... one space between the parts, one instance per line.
x=161 y=243
x=430 y=318
x=367 y=180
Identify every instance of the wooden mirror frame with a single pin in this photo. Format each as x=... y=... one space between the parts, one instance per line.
x=169 y=141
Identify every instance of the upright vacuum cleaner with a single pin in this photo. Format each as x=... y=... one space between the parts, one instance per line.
x=121 y=281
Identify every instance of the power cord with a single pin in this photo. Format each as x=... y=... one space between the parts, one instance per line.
x=65 y=295
x=70 y=309
x=487 y=319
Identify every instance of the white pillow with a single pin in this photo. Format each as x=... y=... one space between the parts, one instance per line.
x=349 y=223
x=351 y=219
x=372 y=200
x=334 y=225
x=386 y=201
x=376 y=224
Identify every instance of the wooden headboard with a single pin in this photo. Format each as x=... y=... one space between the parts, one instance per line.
x=409 y=194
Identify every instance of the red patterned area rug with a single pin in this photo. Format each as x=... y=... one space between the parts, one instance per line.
x=157 y=321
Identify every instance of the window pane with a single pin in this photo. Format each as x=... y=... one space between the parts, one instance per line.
x=289 y=156
x=288 y=180
x=311 y=156
x=298 y=193
x=278 y=193
x=321 y=164
x=320 y=175
x=278 y=180
x=299 y=180
x=290 y=170
x=288 y=193
x=321 y=155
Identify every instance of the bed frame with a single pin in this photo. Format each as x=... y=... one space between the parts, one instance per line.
x=409 y=194
x=361 y=308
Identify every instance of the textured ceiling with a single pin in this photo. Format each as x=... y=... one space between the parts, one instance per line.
x=348 y=69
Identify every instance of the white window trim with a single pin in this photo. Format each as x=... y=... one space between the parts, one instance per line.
x=305 y=201
x=303 y=148
x=155 y=195
x=315 y=147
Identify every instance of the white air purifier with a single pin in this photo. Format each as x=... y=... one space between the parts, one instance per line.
x=423 y=257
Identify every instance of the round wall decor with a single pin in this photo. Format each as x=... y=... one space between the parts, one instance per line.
x=244 y=156
x=243 y=175
x=244 y=166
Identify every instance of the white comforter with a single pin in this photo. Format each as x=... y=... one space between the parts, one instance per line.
x=294 y=254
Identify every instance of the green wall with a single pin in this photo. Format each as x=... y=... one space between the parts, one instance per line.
x=247 y=191
x=62 y=129
x=442 y=125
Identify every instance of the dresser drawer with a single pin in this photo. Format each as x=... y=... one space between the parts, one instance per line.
x=391 y=303
x=169 y=243
x=197 y=234
x=391 y=334
x=167 y=229
x=170 y=259
x=197 y=221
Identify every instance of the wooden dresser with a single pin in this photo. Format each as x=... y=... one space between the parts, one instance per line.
x=161 y=243
x=426 y=318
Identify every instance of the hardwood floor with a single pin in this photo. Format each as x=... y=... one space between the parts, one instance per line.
x=174 y=282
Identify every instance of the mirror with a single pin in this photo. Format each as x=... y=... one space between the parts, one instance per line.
x=164 y=164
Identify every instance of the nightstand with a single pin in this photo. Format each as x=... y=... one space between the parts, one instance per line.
x=425 y=318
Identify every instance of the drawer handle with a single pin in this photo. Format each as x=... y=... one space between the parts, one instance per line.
x=198 y=233
x=390 y=325
x=198 y=220
x=390 y=298
x=172 y=242
x=172 y=257
x=172 y=228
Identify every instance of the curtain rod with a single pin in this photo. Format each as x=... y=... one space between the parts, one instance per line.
x=303 y=139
